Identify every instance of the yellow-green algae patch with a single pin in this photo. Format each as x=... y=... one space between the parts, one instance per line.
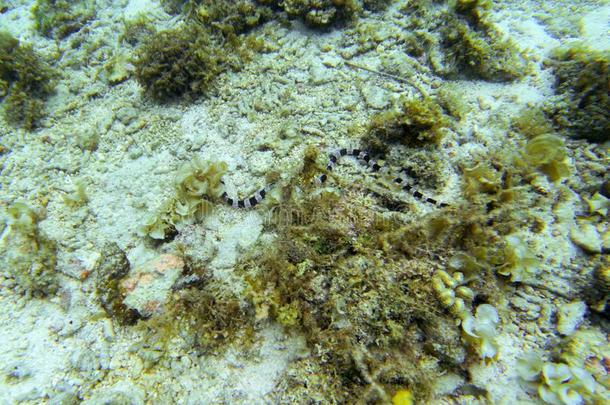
x=28 y=255
x=582 y=104
x=26 y=80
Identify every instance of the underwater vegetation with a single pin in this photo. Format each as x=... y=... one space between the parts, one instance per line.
x=458 y=40
x=359 y=282
x=321 y=13
x=184 y=61
x=228 y=17
x=109 y=273
x=28 y=255
x=208 y=315
x=25 y=82
x=548 y=154
x=577 y=375
x=178 y=62
x=582 y=104
x=59 y=18
x=197 y=185
x=235 y=17
x=136 y=30
x=387 y=303
x=412 y=122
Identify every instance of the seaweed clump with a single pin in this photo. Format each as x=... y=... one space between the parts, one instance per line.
x=28 y=254
x=548 y=154
x=208 y=317
x=357 y=281
x=59 y=18
x=235 y=17
x=230 y=17
x=582 y=104
x=321 y=13
x=177 y=62
x=25 y=82
x=110 y=271
x=198 y=183
x=412 y=123
x=459 y=40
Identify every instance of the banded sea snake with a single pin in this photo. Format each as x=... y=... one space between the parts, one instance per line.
x=334 y=157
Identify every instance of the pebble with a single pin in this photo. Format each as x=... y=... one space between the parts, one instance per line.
x=319 y=74
x=149 y=285
x=375 y=96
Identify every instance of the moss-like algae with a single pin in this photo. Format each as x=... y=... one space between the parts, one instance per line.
x=29 y=256
x=357 y=278
x=25 y=82
x=178 y=62
x=235 y=17
x=59 y=18
x=412 y=122
x=459 y=41
x=137 y=29
x=230 y=17
x=582 y=104
x=321 y=13
x=358 y=284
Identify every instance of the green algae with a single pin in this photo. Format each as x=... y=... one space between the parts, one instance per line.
x=235 y=17
x=178 y=62
x=321 y=13
x=28 y=254
x=137 y=29
x=459 y=41
x=358 y=281
x=412 y=122
x=25 y=82
x=358 y=284
x=59 y=18
x=582 y=106
x=197 y=185
x=230 y=17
